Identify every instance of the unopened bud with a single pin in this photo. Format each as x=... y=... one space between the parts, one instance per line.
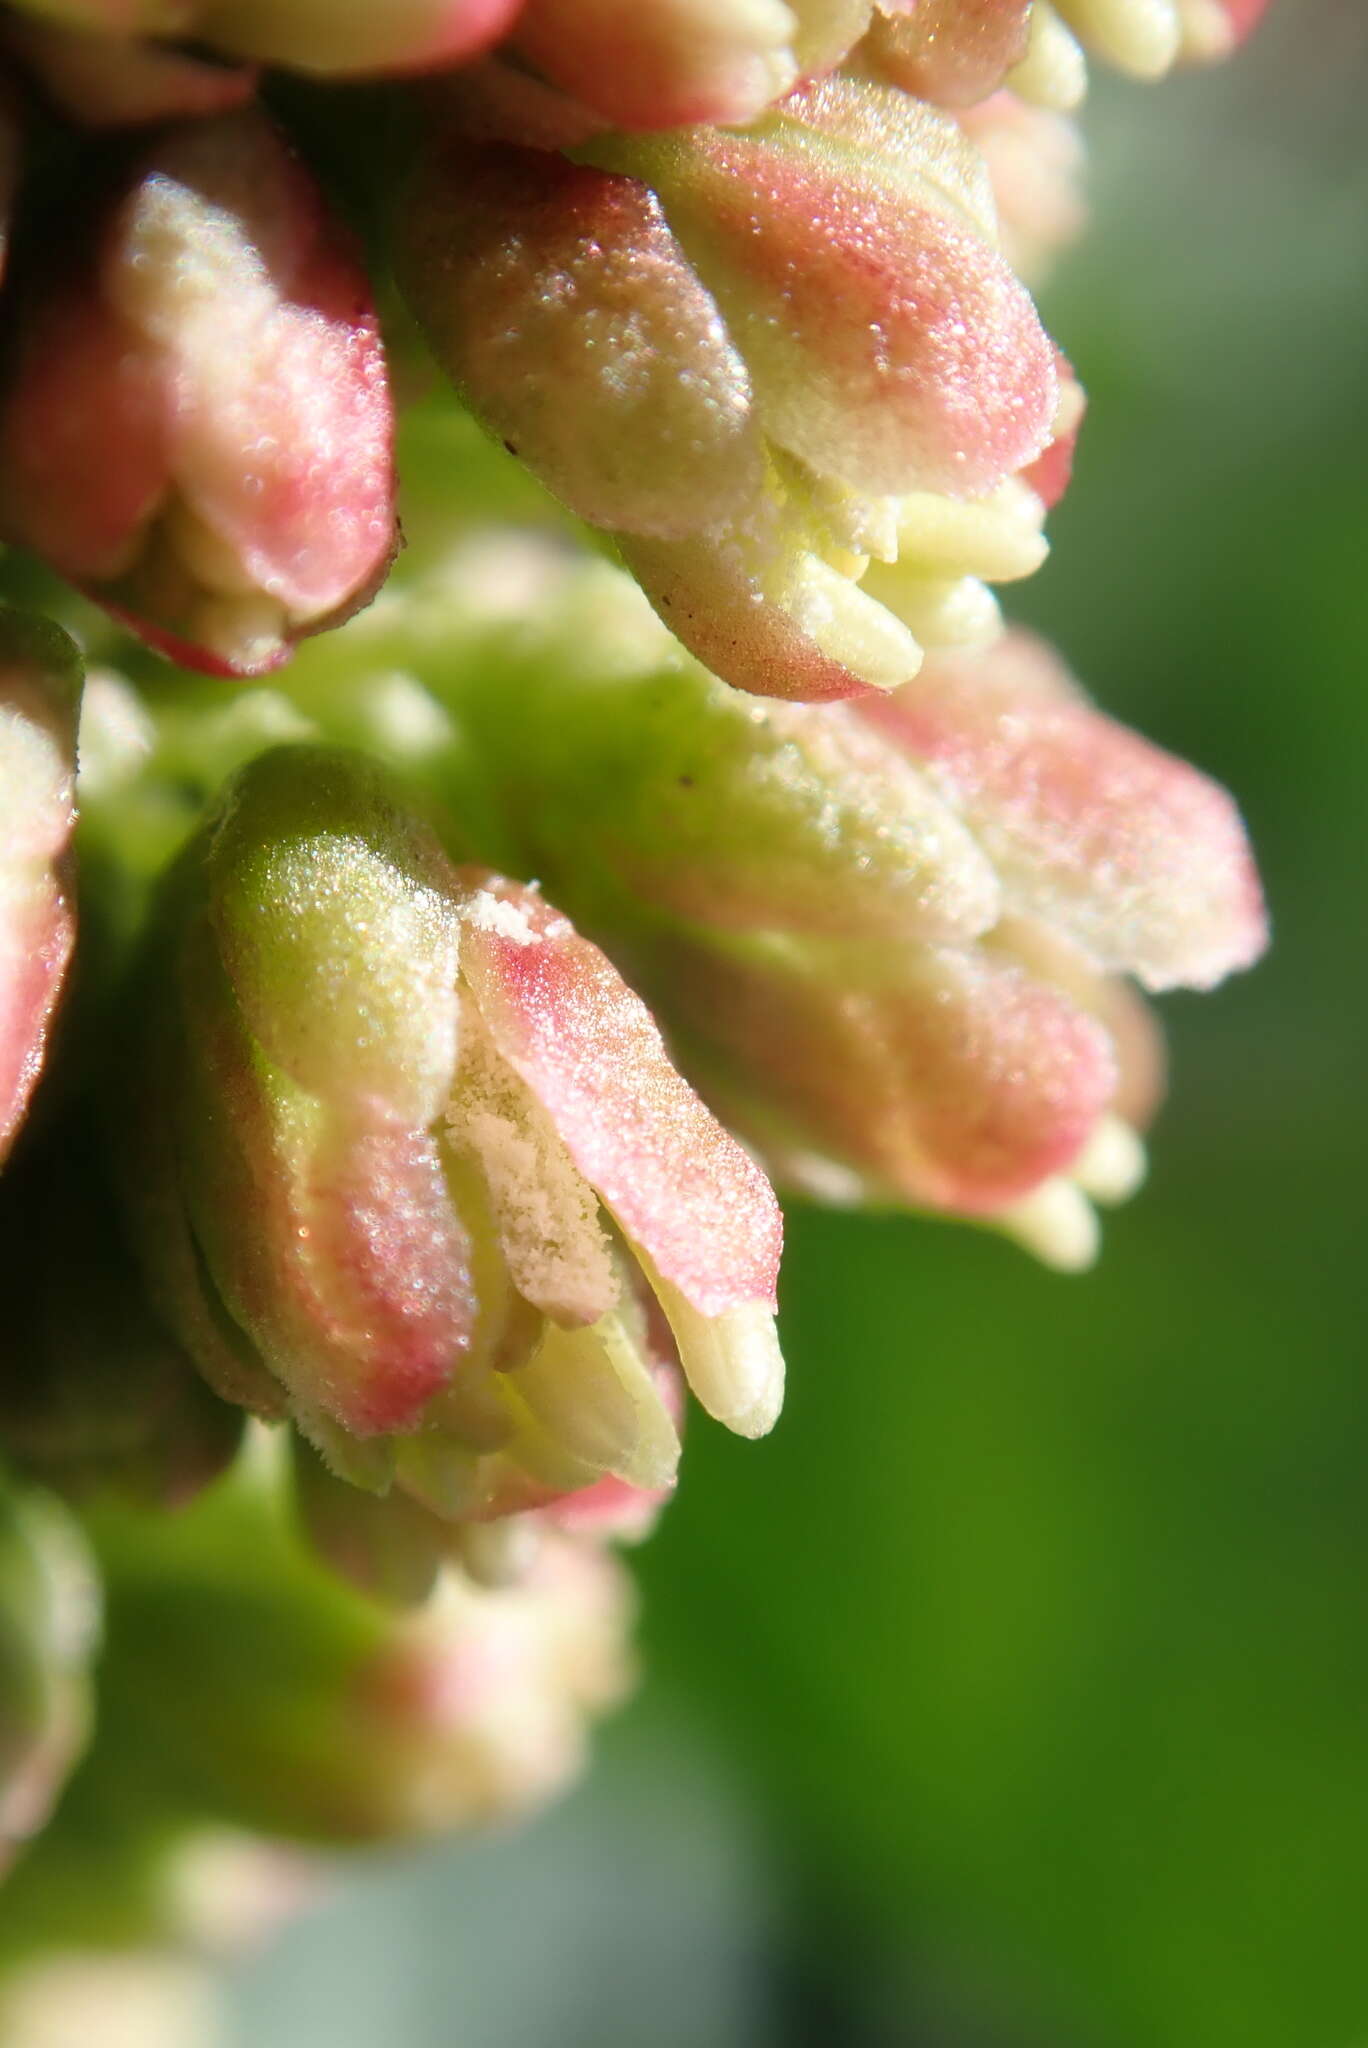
x=757 y=357
x=197 y=427
x=892 y=968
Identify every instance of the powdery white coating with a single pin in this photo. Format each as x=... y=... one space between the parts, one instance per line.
x=221 y=382
x=550 y=1229
x=1124 y=848
x=38 y=809
x=561 y=304
x=676 y=1183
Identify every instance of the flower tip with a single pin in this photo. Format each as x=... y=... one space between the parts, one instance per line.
x=1056 y=1223
x=732 y=1361
x=1113 y=1164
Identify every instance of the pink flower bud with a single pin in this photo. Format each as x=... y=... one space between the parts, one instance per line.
x=892 y=968
x=1129 y=852
x=428 y=1150
x=197 y=427
x=40 y=684
x=761 y=358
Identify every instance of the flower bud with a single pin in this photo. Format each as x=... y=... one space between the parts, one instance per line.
x=327 y=36
x=196 y=427
x=49 y=1610
x=407 y=1149
x=1131 y=854
x=40 y=687
x=760 y=358
x=286 y=1702
x=892 y=968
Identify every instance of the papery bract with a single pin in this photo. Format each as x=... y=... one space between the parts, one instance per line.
x=885 y=938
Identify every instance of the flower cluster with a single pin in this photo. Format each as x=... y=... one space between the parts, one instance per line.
x=467 y=942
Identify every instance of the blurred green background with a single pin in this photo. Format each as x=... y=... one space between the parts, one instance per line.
x=1015 y=1694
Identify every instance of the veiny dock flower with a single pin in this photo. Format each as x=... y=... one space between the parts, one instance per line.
x=196 y=425
x=411 y=1157
x=760 y=358
x=40 y=688
x=885 y=938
